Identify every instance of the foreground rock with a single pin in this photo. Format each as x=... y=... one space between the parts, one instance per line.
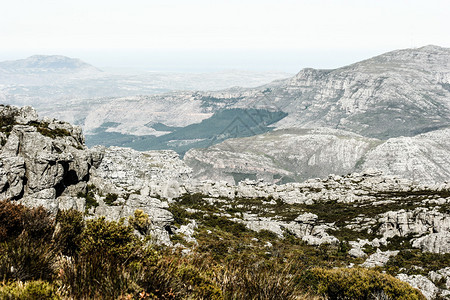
x=44 y=162
x=41 y=160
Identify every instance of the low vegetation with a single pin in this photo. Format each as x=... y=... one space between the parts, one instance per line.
x=68 y=257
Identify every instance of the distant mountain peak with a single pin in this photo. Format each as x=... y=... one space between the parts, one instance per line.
x=46 y=63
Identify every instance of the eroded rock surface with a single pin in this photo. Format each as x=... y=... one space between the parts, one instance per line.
x=41 y=159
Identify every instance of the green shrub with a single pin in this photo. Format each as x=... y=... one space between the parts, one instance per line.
x=89 y=195
x=112 y=239
x=110 y=198
x=7 y=121
x=357 y=283
x=414 y=261
x=38 y=223
x=140 y=221
x=175 y=277
x=109 y=263
x=180 y=215
x=70 y=225
x=26 y=250
x=42 y=128
x=95 y=276
x=259 y=280
x=31 y=290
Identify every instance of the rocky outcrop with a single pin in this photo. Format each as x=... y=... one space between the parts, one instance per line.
x=160 y=219
x=388 y=112
x=423 y=158
x=396 y=103
x=151 y=172
x=41 y=160
x=379 y=258
x=305 y=227
x=413 y=222
x=434 y=242
x=44 y=163
x=426 y=286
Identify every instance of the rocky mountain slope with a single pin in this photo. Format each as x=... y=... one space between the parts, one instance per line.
x=397 y=104
x=400 y=93
x=310 y=153
x=373 y=220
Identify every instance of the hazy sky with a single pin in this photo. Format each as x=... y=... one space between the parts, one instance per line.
x=211 y=35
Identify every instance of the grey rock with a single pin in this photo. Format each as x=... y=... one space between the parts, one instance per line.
x=434 y=242
x=132 y=171
x=379 y=258
x=304 y=227
x=160 y=218
x=33 y=163
x=420 y=282
x=418 y=221
x=441 y=274
x=188 y=231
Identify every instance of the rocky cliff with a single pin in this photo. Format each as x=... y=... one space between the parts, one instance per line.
x=41 y=159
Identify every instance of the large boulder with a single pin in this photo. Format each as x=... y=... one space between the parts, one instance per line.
x=41 y=159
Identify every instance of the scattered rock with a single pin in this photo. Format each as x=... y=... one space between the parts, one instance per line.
x=379 y=258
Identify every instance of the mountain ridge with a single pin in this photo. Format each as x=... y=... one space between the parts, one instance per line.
x=42 y=63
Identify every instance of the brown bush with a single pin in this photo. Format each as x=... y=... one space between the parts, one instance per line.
x=11 y=219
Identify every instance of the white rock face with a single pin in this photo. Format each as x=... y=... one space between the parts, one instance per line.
x=378 y=259
x=291 y=154
x=420 y=282
x=305 y=226
x=42 y=167
x=150 y=172
x=419 y=221
x=392 y=98
x=441 y=274
x=310 y=153
x=424 y=158
x=434 y=242
x=381 y=97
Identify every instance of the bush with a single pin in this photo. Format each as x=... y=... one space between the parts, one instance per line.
x=32 y=290
x=357 y=283
x=109 y=263
x=188 y=277
x=26 y=259
x=140 y=221
x=111 y=239
x=7 y=121
x=26 y=252
x=111 y=198
x=38 y=223
x=42 y=128
x=258 y=280
x=68 y=231
x=11 y=219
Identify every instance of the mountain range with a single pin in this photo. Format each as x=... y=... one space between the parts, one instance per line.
x=44 y=81
x=391 y=112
